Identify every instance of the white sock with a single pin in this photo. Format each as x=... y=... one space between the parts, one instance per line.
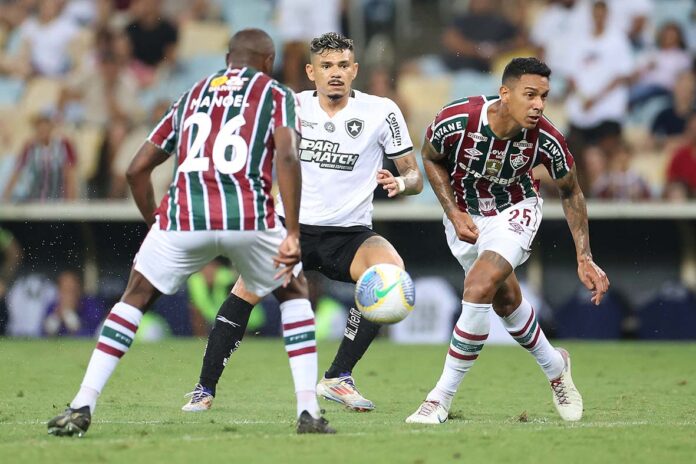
x=116 y=337
x=301 y=346
x=468 y=337
x=522 y=324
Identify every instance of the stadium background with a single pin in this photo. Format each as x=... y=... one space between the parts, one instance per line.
x=101 y=90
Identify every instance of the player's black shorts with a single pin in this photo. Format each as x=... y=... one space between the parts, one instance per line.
x=330 y=250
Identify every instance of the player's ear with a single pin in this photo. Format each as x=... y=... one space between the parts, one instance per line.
x=504 y=93
x=356 y=67
x=309 y=69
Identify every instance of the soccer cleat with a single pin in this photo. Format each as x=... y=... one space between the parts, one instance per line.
x=201 y=399
x=566 y=397
x=308 y=424
x=429 y=412
x=70 y=422
x=342 y=390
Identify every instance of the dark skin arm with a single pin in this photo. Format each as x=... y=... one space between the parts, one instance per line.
x=149 y=156
x=290 y=185
x=575 y=210
x=435 y=165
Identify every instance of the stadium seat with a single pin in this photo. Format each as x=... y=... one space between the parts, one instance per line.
x=201 y=37
x=40 y=93
x=87 y=141
x=669 y=315
x=10 y=90
x=466 y=83
x=423 y=97
x=580 y=318
x=652 y=166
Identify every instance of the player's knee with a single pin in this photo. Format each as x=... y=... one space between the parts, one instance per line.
x=296 y=289
x=478 y=289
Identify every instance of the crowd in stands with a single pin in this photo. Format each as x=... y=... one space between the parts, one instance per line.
x=83 y=81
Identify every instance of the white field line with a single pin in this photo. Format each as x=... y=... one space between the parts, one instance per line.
x=535 y=423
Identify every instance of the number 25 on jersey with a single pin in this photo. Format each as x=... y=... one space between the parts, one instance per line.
x=196 y=161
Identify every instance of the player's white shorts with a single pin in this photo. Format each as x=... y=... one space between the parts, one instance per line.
x=303 y=20
x=509 y=233
x=168 y=258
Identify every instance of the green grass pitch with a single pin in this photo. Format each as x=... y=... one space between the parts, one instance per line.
x=640 y=406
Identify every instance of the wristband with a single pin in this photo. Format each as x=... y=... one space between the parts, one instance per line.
x=400 y=183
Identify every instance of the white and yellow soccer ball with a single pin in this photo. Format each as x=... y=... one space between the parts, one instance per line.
x=385 y=294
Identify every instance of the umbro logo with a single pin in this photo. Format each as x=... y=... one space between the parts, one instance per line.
x=473 y=154
x=354 y=127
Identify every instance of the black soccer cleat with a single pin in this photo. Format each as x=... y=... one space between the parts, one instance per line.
x=308 y=424
x=70 y=422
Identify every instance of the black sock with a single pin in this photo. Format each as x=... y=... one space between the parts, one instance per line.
x=224 y=339
x=357 y=338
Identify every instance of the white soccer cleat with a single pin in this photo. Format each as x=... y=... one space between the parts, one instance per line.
x=566 y=397
x=201 y=399
x=429 y=412
x=342 y=390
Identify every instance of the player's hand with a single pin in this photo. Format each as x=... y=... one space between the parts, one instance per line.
x=464 y=226
x=594 y=278
x=388 y=182
x=288 y=256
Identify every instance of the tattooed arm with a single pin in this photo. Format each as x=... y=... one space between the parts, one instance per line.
x=410 y=180
x=575 y=210
x=438 y=175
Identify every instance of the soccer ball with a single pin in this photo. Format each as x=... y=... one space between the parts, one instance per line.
x=385 y=294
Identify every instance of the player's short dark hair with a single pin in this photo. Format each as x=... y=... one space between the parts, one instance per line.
x=331 y=41
x=521 y=66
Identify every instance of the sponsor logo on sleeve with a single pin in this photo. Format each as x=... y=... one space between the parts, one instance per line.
x=394 y=128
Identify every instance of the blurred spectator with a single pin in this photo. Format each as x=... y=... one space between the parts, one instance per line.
x=681 y=171
x=47 y=164
x=632 y=17
x=11 y=252
x=599 y=70
x=72 y=313
x=153 y=36
x=594 y=165
x=658 y=68
x=112 y=177
x=476 y=38
x=45 y=40
x=620 y=182
x=196 y=10
x=26 y=303
x=104 y=94
x=554 y=31
x=668 y=126
x=299 y=22
x=207 y=290
x=329 y=313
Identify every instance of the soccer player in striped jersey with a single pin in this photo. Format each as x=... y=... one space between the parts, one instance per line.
x=478 y=155
x=226 y=132
x=345 y=134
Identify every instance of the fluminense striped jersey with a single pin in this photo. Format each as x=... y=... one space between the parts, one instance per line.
x=489 y=174
x=221 y=132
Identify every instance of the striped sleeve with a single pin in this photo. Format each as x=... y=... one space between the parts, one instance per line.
x=553 y=151
x=286 y=109
x=165 y=133
x=448 y=127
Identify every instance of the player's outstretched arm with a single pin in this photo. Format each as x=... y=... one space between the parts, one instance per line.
x=290 y=185
x=410 y=180
x=575 y=210
x=149 y=156
x=438 y=175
